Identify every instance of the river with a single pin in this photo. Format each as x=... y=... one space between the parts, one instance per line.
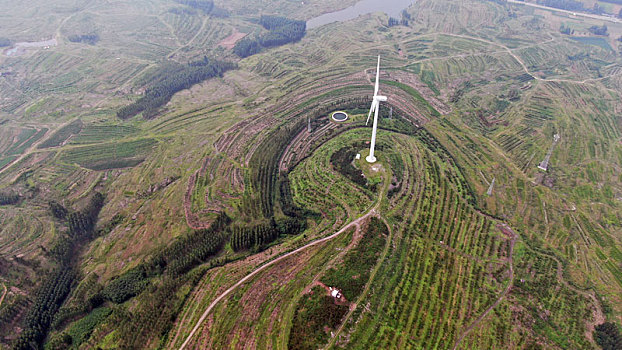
x=392 y=8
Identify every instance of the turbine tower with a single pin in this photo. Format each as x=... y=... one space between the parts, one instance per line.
x=375 y=105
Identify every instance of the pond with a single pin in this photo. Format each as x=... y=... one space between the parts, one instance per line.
x=392 y=8
x=340 y=116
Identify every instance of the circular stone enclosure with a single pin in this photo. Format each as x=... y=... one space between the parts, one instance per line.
x=339 y=116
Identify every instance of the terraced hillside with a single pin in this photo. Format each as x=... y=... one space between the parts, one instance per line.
x=229 y=216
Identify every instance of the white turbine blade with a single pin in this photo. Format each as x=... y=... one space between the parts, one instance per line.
x=377 y=76
x=376 y=110
x=371 y=110
x=371 y=158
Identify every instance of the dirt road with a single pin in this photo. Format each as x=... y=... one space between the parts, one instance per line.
x=578 y=14
x=503 y=294
x=363 y=294
x=371 y=212
x=3 y=294
x=263 y=267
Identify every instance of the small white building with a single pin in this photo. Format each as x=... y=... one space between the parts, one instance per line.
x=335 y=293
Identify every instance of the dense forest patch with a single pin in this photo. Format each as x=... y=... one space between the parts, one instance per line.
x=90 y=39
x=281 y=31
x=57 y=285
x=62 y=134
x=352 y=274
x=342 y=161
x=7 y=198
x=169 y=79
x=204 y=5
x=260 y=235
x=315 y=312
x=607 y=335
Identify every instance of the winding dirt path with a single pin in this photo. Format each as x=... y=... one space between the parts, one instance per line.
x=171 y=30
x=574 y=13
x=356 y=302
x=524 y=66
x=203 y=24
x=263 y=267
x=355 y=223
x=3 y=294
x=598 y=314
x=503 y=294
x=33 y=146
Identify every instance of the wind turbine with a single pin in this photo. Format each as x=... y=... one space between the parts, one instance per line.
x=375 y=105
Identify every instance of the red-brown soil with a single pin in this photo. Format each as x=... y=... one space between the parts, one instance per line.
x=230 y=41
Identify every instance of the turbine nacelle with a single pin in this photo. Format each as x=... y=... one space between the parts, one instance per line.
x=374 y=105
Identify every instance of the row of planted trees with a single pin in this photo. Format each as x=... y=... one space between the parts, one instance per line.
x=57 y=285
x=281 y=31
x=90 y=38
x=8 y=198
x=173 y=264
x=342 y=161
x=264 y=166
x=268 y=202
x=175 y=260
x=245 y=237
x=456 y=175
x=170 y=78
x=274 y=215
x=204 y=5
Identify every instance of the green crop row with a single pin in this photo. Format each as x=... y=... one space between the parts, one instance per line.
x=109 y=155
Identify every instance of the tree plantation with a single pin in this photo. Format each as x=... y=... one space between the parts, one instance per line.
x=175 y=174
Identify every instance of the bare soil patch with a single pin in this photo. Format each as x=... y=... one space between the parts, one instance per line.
x=230 y=41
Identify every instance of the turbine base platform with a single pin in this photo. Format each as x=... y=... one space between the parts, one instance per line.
x=370 y=159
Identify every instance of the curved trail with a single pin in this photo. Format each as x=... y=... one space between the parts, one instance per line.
x=263 y=267
x=520 y=61
x=598 y=313
x=3 y=294
x=385 y=251
x=574 y=13
x=170 y=55
x=283 y=337
x=33 y=147
x=503 y=294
